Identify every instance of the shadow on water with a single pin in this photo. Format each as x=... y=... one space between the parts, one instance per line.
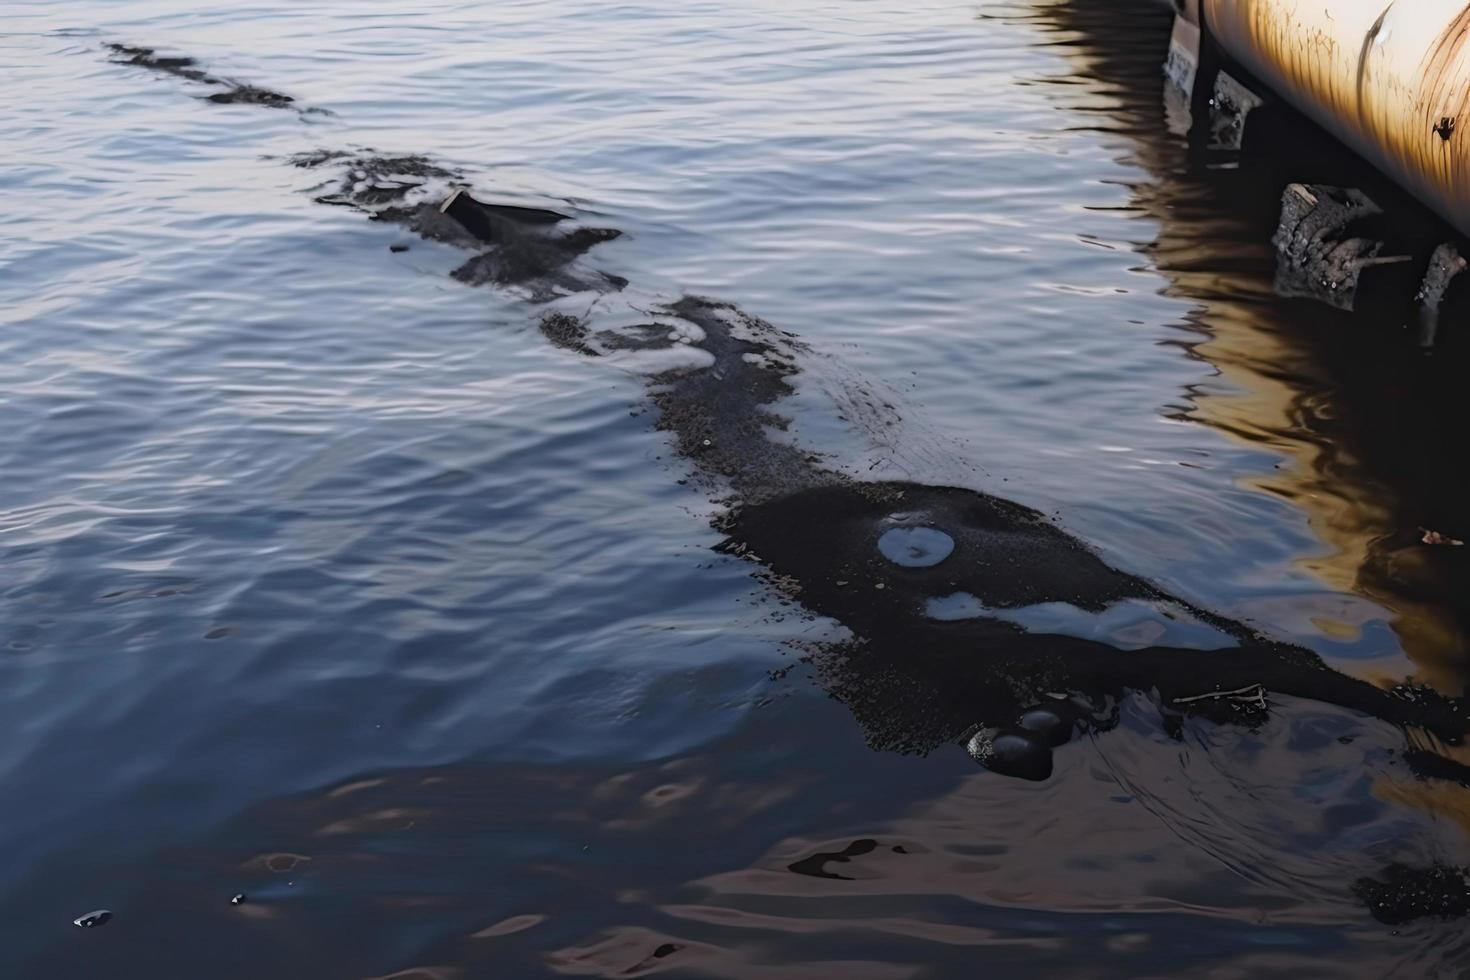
x=969 y=619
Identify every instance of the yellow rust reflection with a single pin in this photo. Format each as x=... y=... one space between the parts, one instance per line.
x=1390 y=79
x=1275 y=383
x=1278 y=388
x=1444 y=799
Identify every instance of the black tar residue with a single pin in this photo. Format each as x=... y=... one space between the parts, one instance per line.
x=815 y=865
x=534 y=249
x=231 y=92
x=1401 y=893
x=913 y=682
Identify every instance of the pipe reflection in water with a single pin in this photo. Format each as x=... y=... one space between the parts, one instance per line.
x=1367 y=425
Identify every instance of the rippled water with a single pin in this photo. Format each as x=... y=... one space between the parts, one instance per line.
x=327 y=580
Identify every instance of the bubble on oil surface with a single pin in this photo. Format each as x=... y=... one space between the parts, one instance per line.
x=915 y=547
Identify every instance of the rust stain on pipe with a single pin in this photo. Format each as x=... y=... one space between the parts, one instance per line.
x=1390 y=79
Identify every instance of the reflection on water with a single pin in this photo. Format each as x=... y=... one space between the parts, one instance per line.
x=353 y=596
x=1364 y=423
x=850 y=865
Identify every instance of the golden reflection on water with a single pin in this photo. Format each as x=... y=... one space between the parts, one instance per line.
x=1278 y=391
x=1444 y=800
x=1353 y=513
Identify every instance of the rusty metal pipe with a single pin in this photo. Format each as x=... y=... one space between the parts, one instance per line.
x=1390 y=78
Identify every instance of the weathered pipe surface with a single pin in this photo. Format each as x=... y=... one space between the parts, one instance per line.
x=1390 y=78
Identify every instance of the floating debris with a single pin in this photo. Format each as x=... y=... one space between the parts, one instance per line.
x=92 y=920
x=1024 y=755
x=234 y=93
x=1435 y=538
x=567 y=332
x=913 y=682
x=815 y=865
x=1046 y=723
x=1405 y=893
x=484 y=220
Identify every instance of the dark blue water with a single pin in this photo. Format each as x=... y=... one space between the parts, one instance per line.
x=327 y=580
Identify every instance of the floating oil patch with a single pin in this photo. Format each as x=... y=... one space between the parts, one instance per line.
x=1401 y=893
x=1013 y=556
x=92 y=920
x=534 y=249
x=912 y=681
x=984 y=676
x=231 y=92
x=566 y=332
x=916 y=547
x=948 y=651
x=816 y=865
x=915 y=683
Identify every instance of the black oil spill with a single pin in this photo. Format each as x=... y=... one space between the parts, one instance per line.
x=1432 y=765
x=567 y=332
x=230 y=92
x=526 y=246
x=180 y=67
x=815 y=865
x=93 y=920
x=1401 y=894
x=535 y=249
x=913 y=681
x=916 y=682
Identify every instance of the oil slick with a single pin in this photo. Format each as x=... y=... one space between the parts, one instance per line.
x=228 y=92
x=970 y=620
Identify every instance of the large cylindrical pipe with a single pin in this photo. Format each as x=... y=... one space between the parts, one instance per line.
x=1390 y=78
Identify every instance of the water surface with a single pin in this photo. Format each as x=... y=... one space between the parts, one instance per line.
x=329 y=581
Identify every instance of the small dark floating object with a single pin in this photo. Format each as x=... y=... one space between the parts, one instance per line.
x=239 y=899
x=92 y=920
x=1404 y=893
x=1432 y=765
x=1023 y=755
x=398 y=248
x=250 y=95
x=815 y=865
x=483 y=220
x=1046 y=723
x=567 y=332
